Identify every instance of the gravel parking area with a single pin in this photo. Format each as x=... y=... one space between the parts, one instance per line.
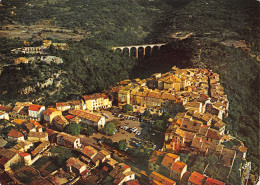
x=121 y=134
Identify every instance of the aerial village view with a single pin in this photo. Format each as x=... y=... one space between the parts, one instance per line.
x=137 y=121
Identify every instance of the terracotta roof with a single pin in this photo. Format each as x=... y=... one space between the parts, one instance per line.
x=17 y=108
x=41 y=147
x=162 y=179
x=38 y=134
x=7 y=153
x=154 y=95
x=60 y=120
x=49 y=131
x=85 y=115
x=94 y=96
x=67 y=137
x=49 y=111
x=15 y=133
x=196 y=143
x=157 y=157
x=62 y=104
x=169 y=159
x=211 y=181
x=89 y=151
x=36 y=123
x=228 y=156
x=76 y=163
x=98 y=156
x=185 y=178
x=19 y=121
x=168 y=96
x=68 y=117
x=23 y=154
x=242 y=149
x=29 y=126
x=35 y=107
x=85 y=172
x=178 y=167
x=132 y=182
x=213 y=134
x=6 y=108
x=197 y=178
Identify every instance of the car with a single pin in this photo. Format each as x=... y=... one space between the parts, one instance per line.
x=138 y=133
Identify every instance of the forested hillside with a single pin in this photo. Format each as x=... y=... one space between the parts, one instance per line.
x=90 y=66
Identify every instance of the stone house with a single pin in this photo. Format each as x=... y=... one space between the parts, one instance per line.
x=177 y=170
x=38 y=136
x=36 y=112
x=60 y=122
x=75 y=165
x=15 y=135
x=8 y=157
x=89 y=118
x=50 y=113
x=68 y=140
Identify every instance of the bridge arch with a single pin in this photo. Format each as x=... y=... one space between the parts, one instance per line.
x=144 y=47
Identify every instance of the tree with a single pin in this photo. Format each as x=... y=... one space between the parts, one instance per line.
x=122 y=144
x=109 y=128
x=126 y=108
x=87 y=130
x=158 y=125
x=147 y=113
x=73 y=128
x=116 y=122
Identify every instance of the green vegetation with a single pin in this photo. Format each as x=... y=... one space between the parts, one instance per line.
x=212 y=167
x=89 y=66
x=127 y=108
x=122 y=144
x=62 y=154
x=109 y=128
x=87 y=130
x=25 y=176
x=73 y=129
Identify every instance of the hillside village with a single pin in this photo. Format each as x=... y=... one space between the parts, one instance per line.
x=33 y=134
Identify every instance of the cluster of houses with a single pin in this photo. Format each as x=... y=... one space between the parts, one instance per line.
x=198 y=89
x=64 y=113
x=43 y=49
x=166 y=168
x=199 y=129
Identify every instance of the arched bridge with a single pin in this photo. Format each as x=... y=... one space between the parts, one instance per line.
x=121 y=48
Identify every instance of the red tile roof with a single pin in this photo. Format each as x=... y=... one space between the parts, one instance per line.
x=178 y=167
x=3 y=161
x=85 y=115
x=23 y=154
x=169 y=159
x=94 y=96
x=5 y=108
x=211 y=181
x=162 y=179
x=197 y=178
x=68 y=117
x=213 y=134
x=35 y=107
x=133 y=182
x=49 y=111
x=49 y=131
x=76 y=163
x=62 y=104
x=15 y=133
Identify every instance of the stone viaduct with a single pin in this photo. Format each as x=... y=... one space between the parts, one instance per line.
x=121 y=48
